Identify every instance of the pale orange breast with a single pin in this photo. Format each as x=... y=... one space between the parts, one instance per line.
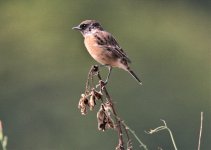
x=92 y=46
x=100 y=54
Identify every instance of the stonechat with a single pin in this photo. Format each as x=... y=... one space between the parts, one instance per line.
x=103 y=47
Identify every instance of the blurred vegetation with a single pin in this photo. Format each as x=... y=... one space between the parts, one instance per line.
x=43 y=68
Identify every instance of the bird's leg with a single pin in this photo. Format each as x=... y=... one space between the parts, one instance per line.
x=109 y=73
x=103 y=83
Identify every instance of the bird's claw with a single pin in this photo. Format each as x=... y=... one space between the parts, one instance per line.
x=101 y=84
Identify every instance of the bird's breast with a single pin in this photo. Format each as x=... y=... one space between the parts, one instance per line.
x=98 y=52
x=93 y=48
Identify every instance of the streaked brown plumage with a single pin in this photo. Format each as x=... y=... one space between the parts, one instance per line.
x=103 y=47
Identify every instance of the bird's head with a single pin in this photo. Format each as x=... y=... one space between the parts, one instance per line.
x=88 y=27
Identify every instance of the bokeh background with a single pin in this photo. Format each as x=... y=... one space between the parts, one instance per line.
x=44 y=65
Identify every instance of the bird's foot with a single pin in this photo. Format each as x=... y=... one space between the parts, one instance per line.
x=102 y=84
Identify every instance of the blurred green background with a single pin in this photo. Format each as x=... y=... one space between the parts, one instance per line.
x=44 y=65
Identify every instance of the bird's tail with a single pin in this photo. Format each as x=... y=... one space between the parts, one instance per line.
x=134 y=76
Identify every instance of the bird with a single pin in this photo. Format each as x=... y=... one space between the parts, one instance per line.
x=103 y=47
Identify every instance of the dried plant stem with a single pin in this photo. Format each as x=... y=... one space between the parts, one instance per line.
x=3 y=138
x=172 y=137
x=134 y=134
x=118 y=126
x=3 y=144
x=129 y=141
x=200 y=132
x=107 y=117
x=165 y=127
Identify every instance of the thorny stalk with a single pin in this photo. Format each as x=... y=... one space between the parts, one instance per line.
x=134 y=134
x=118 y=122
x=107 y=112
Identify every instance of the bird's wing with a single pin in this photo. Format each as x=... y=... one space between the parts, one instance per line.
x=111 y=45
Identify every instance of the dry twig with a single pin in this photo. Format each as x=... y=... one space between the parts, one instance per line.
x=106 y=116
x=3 y=138
x=165 y=127
x=200 y=132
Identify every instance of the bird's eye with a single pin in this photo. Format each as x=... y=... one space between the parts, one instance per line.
x=83 y=26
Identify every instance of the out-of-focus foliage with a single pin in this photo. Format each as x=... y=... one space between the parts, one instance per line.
x=43 y=68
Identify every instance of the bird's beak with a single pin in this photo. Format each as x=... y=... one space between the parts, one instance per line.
x=76 y=28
